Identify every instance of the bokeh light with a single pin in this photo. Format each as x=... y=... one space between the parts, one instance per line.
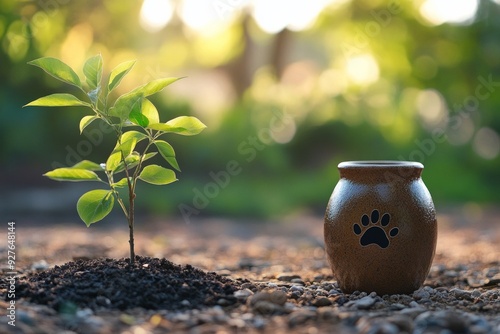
x=274 y=16
x=431 y=107
x=362 y=69
x=156 y=14
x=437 y=12
x=487 y=143
x=460 y=131
x=205 y=17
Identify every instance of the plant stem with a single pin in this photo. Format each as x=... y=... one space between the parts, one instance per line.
x=130 y=215
x=131 y=197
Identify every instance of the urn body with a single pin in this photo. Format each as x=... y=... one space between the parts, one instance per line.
x=380 y=227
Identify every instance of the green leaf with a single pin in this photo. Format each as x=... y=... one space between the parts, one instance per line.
x=149 y=110
x=118 y=73
x=149 y=155
x=72 y=174
x=132 y=160
x=164 y=128
x=191 y=125
x=139 y=119
x=121 y=184
x=167 y=152
x=128 y=141
x=125 y=104
x=126 y=147
x=85 y=121
x=58 y=70
x=133 y=134
x=93 y=71
x=58 y=100
x=154 y=86
x=113 y=161
x=183 y=125
x=95 y=205
x=136 y=115
x=88 y=165
x=157 y=175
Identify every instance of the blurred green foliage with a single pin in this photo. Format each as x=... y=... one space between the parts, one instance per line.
x=368 y=80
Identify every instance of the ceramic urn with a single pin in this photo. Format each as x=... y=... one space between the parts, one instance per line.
x=380 y=227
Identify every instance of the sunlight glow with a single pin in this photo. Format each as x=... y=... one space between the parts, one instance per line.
x=155 y=14
x=207 y=16
x=437 y=12
x=274 y=16
x=362 y=69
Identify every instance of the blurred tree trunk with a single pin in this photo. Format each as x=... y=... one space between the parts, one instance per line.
x=279 y=50
x=242 y=69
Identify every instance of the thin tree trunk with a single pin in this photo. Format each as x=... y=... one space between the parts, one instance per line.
x=131 y=226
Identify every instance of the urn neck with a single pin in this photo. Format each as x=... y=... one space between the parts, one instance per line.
x=380 y=171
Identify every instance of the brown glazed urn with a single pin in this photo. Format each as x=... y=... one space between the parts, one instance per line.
x=380 y=227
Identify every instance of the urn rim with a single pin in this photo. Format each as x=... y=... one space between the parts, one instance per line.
x=380 y=163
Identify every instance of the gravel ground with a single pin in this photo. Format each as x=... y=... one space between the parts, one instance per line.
x=280 y=281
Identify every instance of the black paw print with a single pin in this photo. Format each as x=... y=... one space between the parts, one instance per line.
x=375 y=234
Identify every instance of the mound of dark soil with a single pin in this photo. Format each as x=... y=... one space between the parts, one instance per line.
x=114 y=284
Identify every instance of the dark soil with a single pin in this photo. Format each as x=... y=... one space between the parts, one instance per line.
x=270 y=277
x=115 y=284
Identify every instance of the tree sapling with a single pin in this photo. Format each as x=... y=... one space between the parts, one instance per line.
x=126 y=115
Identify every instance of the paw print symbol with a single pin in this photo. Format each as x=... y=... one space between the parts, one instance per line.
x=376 y=233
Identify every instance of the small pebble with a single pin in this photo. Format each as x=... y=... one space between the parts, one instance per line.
x=285 y=277
x=333 y=292
x=298 y=288
x=249 y=286
x=397 y=306
x=323 y=301
x=278 y=297
x=455 y=322
x=403 y=322
x=363 y=303
x=238 y=323
x=224 y=272
x=476 y=293
x=84 y=313
x=379 y=326
x=318 y=278
x=414 y=304
x=265 y=307
x=243 y=294
x=300 y=317
x=421 y=294
x=461 y=294
x=40 y=265
x=259 y=323
x=223 y=302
